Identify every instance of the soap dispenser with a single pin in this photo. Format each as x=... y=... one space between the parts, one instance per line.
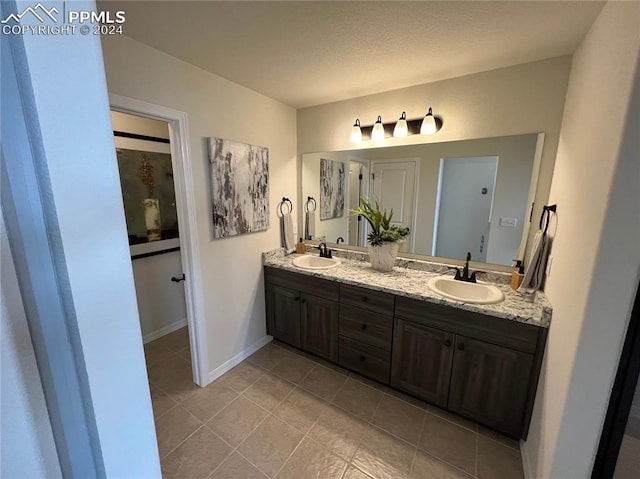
x=301 y=248
x=518 y=274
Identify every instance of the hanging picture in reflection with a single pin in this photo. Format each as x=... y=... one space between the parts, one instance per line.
x=332 y=179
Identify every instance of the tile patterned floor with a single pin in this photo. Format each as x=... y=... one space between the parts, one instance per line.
x=284 y=414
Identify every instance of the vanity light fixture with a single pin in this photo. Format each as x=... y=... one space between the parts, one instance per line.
x=377 y=133
x=356 y=132
x=428 y=126
x=401 y=129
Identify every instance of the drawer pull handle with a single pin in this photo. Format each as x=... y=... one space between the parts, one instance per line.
x=363 y=326
x=447 y=343
x=365 y=299
x=461 y=347
x=362 y=359
x=296 y=298
x=303 y=301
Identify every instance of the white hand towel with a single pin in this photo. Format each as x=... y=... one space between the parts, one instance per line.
x=310 y=225
x=288 y=241
x=534 y=273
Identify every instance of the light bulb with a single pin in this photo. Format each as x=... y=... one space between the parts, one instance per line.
x=401 y=129
x=356 y=132
x=377 y=133
x=428 y=126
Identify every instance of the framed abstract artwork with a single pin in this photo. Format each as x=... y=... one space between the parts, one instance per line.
x=239 y=187
x=146 y=178
x=332 y=179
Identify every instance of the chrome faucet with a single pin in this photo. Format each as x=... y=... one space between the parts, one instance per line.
x=464 y=274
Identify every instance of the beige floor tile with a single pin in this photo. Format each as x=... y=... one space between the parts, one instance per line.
x=237 y=420
x=399 y=418
x=301 y=409
x=207 y=402
x=449 y=442
x=451 y=417
x=237 y=467
x=338 y=431
x=154 y=352
x=383 y=456
x=294 y=368
x=268 y=356
x=628 y=464
x=358 y=399
x=496 y=461
x=167 y=368
x=426 y=466
x=180 y=387
x=160 y=401
x=269 y=391
x=185 y=352
x=173 y=428
x=197 y=457
x=176 y=340
x=501 y=438
x=269 y=446
x=310 y=460
x=323 y=382
x=242 y=376
x=355 y=473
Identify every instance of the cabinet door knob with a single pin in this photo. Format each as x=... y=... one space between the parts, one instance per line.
x=303 y=301
x=461 y=347
x=362 y=359
x=296 y=298
x=447 y=343
x=365 y=299
x=363 y=326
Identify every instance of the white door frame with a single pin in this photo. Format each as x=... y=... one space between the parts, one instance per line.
x=186 y=209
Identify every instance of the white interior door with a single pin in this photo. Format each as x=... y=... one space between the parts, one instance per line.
x=358 y=182
x=394 y=185
x=465 y=198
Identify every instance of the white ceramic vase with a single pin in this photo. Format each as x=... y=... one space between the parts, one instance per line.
x=152 y=219
x=383 y=257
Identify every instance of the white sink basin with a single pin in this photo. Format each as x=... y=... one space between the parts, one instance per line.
x=478 y=293
x=315 y=262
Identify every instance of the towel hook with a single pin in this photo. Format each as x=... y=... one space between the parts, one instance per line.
x=546 y=213
x=285 y=201
x=310 y=200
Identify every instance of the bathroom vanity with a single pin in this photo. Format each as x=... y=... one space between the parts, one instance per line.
x=479 y=361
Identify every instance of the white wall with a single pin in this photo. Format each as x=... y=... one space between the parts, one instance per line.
x=596 y=261
x=231 y=267
x=516 y=100
x=161 y=302
x=27 y=448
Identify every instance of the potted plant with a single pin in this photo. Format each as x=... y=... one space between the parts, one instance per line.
x=384 y=238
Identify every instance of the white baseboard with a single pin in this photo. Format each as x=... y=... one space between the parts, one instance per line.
x=163 y=331
x=526 y=466
x=238 y=358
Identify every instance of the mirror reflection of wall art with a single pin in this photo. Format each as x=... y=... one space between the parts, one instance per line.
x=239 y=187
x=146 y=177
x=331 y=189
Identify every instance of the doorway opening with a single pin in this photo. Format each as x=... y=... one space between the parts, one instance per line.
x=464 y=206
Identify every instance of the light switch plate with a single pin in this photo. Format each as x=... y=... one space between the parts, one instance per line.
x=508 y=222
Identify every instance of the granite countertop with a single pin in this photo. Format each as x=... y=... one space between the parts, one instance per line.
x=409 y=278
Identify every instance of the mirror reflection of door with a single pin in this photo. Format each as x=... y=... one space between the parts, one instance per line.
x=358 y=187
x=394 y=187
x=465 y=200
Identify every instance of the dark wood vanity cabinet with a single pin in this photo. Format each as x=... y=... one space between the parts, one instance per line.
x=303 y=311
x=481 y=367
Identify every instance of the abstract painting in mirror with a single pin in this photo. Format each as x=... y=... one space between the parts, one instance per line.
x=459 y=196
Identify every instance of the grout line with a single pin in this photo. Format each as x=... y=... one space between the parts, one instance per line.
x=475 y=456
x=415 y=453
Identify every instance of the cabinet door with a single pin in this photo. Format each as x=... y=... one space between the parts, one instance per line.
x=319 y=322
x=283 y=314
x=489 y=383
x=421 y=361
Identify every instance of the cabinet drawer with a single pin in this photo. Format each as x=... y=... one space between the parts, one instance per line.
x=364 y=359
x=375 y=301
x=303 y=283
x=512 y=334
x=367 y=327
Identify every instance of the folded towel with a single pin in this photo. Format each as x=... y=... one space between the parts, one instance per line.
x=286 y=228
x=534 y=273
x=310 y=225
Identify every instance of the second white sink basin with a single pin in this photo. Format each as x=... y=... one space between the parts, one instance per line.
x=315 y=262
x=478 y=293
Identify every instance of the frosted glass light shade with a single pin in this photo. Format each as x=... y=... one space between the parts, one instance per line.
x=378 y=130
x=401 y=129
x=428 y=126
x=356 y=132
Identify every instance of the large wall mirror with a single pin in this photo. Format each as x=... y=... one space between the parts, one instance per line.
x=459 y=196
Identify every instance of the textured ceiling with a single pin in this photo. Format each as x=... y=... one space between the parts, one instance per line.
x=313 y=52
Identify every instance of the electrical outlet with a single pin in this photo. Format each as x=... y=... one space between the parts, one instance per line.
x=549 y=261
